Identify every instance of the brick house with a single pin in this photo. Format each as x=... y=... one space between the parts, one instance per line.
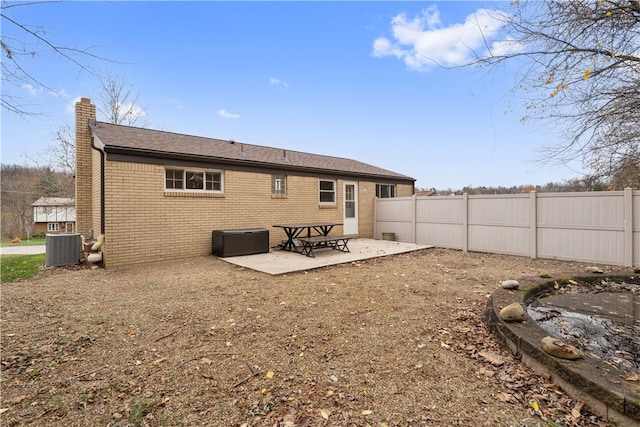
x=54 y=215
x=158 y=195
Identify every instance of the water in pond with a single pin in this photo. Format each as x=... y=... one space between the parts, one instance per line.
x=602 y=319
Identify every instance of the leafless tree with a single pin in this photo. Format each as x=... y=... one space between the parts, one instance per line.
x=16 y=194
x=20 y=43
x=582 y=72
x=61 y=154
x=118 y=104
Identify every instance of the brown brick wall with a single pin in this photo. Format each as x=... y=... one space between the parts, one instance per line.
x=84 y=166
x=96 y=192
x=42 y=227
x=146 y=223
x=404 y=190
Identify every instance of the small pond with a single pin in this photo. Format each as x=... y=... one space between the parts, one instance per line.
x=601 y=318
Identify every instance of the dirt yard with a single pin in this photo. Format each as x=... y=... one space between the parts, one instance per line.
x=394 y=341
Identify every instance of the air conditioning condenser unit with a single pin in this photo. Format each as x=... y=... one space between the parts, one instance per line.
x=62 y=249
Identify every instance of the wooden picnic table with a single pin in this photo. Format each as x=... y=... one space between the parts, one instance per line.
x=295 y=231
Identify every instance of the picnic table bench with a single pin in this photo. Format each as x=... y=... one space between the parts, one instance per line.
x=315 y=242
x=296 y=231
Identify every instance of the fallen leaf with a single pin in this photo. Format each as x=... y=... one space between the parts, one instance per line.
x=3 y=410
x=487 y=372
x=367 y=412
x=504 y=397
x=535 y=406
x=159 y=361
x=289 y=420
x=270 y=374
x=18 y=399
x=324 y=413
x=576 y=412
x=206 y=361
x=633 y=377
x=493 y=358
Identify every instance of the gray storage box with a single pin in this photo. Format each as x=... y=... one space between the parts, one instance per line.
x=62 y=249
x=240 y=242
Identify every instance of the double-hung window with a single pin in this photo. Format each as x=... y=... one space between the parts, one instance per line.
x=327 y=192
x=193 y=180
x=279 y=184
x=385 y=191
x=53 y=226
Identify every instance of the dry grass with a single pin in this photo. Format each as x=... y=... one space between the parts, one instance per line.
x=385 y=342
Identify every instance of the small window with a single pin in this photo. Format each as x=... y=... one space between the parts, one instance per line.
x=52 y=226
x=213 y=181
x=173 y=179
x=193 y=180
x=385 y=191
x=327 y=191
x=278 y=184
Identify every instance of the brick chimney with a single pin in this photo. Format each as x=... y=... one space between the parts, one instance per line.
x=87 y=214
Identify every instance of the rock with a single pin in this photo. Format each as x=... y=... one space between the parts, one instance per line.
x=512 y=313
x=510 y=284
x=593 y=269
x=559 y=348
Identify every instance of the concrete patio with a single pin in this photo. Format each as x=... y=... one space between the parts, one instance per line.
x=280 y=262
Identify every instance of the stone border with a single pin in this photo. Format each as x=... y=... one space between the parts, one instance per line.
x=589 y=380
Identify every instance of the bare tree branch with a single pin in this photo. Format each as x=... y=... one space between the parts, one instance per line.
x=583 y=74
x=21 y=41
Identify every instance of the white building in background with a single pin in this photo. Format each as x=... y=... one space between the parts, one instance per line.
x=54 y=215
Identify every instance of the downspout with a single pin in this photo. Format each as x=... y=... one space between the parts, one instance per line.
x=102 y=174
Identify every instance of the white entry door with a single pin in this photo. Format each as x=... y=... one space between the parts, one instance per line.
x=350 y=223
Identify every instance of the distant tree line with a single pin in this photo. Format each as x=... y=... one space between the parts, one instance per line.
x=627 y=176
x=23 y=185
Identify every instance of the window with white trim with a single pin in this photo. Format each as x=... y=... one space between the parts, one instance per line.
x=193 y=180
x=385 y=191
x=278 y=184
x=327 y=191
x=52 y=226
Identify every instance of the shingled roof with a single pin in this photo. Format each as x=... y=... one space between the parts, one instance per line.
x=54 y=201
x=126 y=140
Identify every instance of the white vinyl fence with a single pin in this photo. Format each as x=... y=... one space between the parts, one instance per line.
x=595 y=227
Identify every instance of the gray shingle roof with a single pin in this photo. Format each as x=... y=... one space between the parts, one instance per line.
x=54 y=201
x=152 y=143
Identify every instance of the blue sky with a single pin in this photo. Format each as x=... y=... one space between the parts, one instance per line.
x=347 y=79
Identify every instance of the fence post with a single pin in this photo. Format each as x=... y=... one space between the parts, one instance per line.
x=465 y=222
x=533 y=224
x=628 y=227
x=375 y=217
x=414 y=224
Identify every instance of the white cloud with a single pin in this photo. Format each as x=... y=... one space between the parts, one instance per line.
x=423 y=41
x=29 y=88
x=506 y=47
x=277 y=82
x=131 y=110
x=71 y=106
x=227 y=115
